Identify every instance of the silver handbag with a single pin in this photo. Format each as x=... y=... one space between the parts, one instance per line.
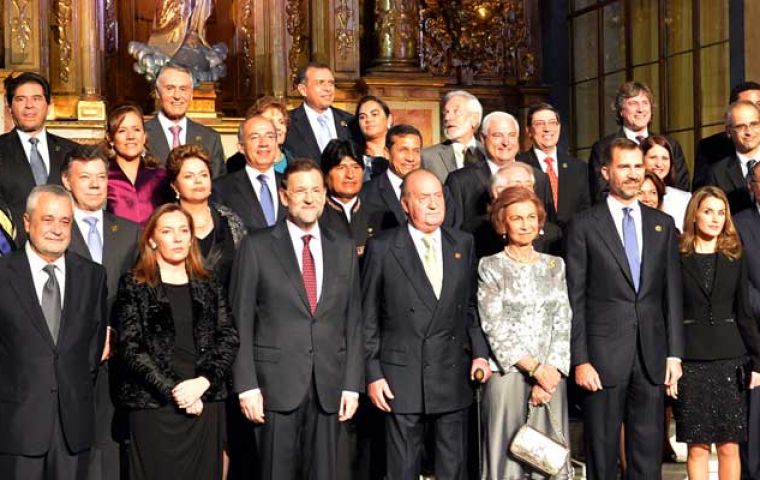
x=538 y=450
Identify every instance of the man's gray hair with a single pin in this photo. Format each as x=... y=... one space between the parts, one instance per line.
x=34 y=196
x=473 y=104
x=241 y=127
x=498 y=115
x=729 y=119
x=501 y=176
x=176 y=68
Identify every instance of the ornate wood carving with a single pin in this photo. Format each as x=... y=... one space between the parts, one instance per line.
x=296 y=12
x=111 y=28
x=248 y=42
x=344 y=28
x=396 y=35
x=63 y=38
x=21 y=24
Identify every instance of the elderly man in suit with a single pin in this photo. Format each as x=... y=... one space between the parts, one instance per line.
x=316 y=121
x=718 y=146
x=469 y=188
x=730 y=173
x=568 y=176
x=297 y=306
x=29 y=154
x=110 y=241
x=748 y=225
x=171 y=128
x=462 y=113
x=422 y=337
x=633 y=104
x=252 y=191
x=52 y=322
x=624 y=284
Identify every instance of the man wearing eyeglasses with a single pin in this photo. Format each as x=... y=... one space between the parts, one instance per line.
x=730 y=174
x=252 y=191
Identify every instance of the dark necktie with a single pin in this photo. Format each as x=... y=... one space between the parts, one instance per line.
x=631 y=245
x=51 y=302
x=38 y=165
x=471 y=156
x=640 y=139
x=309 y=274
x=267 y=204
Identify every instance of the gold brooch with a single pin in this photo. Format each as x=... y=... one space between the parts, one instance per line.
x=658 y=228
x=198 y=138
x=457 y=256
x=343 y=123
x=114 y=228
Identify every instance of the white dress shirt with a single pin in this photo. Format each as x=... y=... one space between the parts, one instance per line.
x=616 y=209
x=312 y=115
x=631 y=135
x=396 y=182
x=541 y=156
x=271 y=183
x=417 y=237
x=166 y=124
x=37 y=265
x=347 y=206
x=492 y=166
x=42 y=146
x=674 y=203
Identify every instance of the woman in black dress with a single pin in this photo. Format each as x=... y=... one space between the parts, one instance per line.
x=217 y=228
x=176 y=345
x=722 y=344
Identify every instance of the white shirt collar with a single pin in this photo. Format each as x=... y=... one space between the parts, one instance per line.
x=38 y=263
x=166 y=124
x=616 y=205
x=631 y=135
x=417 y=235
x=396 y=182
x=492 y=166
x=297 y=232
x=312 y=114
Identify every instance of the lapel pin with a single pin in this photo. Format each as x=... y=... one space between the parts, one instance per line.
x=457 y=256
x=369 y=230
x=57 y=148
x=343 y=123
x=564 y=165
x=198 y=138
x=658 y=228
x=114 y=228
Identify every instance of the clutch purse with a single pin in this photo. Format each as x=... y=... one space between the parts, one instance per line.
x=538 y=450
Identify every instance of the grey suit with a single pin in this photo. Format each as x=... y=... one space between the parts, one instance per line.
x=439 y=158
x=120 y=239
x=196 y=134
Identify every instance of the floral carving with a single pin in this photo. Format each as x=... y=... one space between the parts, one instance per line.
x=248 y=42
x=63 y=29
x=344 y=28
x=295 y=26
x=21 y=24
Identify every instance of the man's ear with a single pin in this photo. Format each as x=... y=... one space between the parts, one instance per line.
x=606 y=172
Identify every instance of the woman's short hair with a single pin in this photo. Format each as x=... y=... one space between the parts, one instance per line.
x=146 y=267
x=178 y=155
x=728 y=240
x=659 y=186
x=510 y=196
x=658 y=140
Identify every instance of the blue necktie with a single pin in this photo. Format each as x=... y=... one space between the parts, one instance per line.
x=631 y=246
x=38 y=165
x=266 y=200
x=324 y=132
x=94 y=243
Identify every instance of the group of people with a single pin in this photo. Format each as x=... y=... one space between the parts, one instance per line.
x=323 y=304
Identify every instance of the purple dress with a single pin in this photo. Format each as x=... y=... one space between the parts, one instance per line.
x=136 y=201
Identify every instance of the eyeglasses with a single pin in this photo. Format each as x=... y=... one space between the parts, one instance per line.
x=743 y=127
x=543 y=123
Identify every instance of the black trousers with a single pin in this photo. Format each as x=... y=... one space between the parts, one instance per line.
x=59 y=463
x=105 y=455
x=750 y=450
x=640 y=404
x=405 y=435
x=300 y=444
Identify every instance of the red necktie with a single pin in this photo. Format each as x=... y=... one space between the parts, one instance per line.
x=175 y=129
x=309 y=274
x=553 y=180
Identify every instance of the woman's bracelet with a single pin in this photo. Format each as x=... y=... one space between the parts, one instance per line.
x=533 y=370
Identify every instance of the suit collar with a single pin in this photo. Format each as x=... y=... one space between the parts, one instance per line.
x=388 y=194
x=410 y=262
x=283 y=249
x=300 y=123
x=611 y=238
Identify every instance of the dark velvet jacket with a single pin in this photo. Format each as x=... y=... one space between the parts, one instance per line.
x=146 y=342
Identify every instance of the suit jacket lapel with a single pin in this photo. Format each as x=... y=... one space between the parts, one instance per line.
x=448 y=252
x=341 y=124
x=447 y=156
x=68 y=296
x=283 y=249
x=410 y=262
x=244 y=187
x=611 y=237
x=484 y=175
x=79 y=244
x=389 y=197
x=735 y=173
x=329 y=263
x=18 y=157
x=651 y=232
x=689 y=265
x=27 y=296
x=55 y=152
x=562 y=167
x=157 y=138
x=300 y=123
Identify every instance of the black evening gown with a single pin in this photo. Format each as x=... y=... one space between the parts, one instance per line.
x=166 y=442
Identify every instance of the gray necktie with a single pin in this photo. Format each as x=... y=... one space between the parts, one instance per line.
x=51 y=302
x=38 y=165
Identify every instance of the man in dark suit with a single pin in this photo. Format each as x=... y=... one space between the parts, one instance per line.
x=719 y=145
x=52 y=322
x=297 y=306
x=730 y=173
x=469 y=188
x=422 y=338
x=29 y=154
x=633 y=102
x=316 y=121
x=462 y=113
x=381 y=196
x=568 y=176
x=624 y=284
x=108 y=240
x=171 y=128
x=748 y=225
x=252 y=191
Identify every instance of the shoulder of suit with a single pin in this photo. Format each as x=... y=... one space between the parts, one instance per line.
x=342 y=113
x=459 y=236
x=63 y=141
x=122 y=223
x=81 y=265
x=206 y=130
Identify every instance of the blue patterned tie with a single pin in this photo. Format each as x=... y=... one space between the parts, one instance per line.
x=631 y=244
x=94 y=243
x=267 y=205
x=38 y=165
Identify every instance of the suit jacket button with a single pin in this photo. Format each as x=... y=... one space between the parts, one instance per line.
x=427 y=366
x=411 y=309
x=311 y=351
